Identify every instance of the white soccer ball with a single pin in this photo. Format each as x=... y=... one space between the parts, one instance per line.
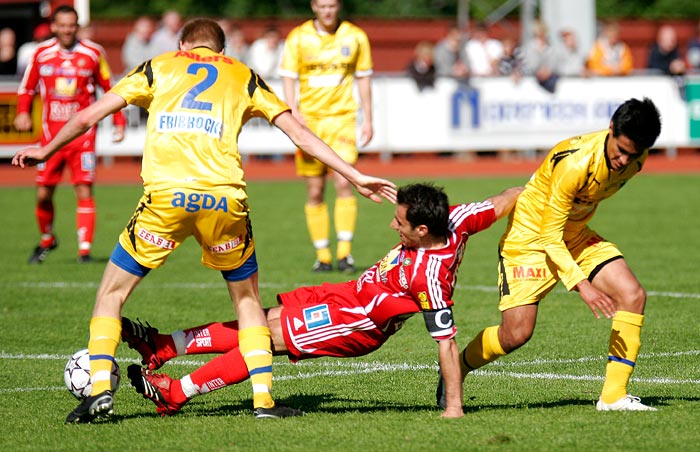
x=77 y=375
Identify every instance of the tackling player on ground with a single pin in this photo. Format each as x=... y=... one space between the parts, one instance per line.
x=548 y=240
x=198 y=100
x=341 y=320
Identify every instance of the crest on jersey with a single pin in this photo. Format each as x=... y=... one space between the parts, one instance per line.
x=317 y=317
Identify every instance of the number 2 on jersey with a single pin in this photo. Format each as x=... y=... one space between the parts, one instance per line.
x=190 y=98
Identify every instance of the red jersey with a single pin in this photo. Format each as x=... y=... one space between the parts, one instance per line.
x=409 y=280
x=357 y=317
x=66 y=79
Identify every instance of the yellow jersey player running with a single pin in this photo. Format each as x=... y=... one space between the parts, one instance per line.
x=548 y=240
x=198 y=100
x=325 y=55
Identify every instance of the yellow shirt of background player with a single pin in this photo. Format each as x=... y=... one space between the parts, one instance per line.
x=326 y=65
x=197 y=102
x=562 y=196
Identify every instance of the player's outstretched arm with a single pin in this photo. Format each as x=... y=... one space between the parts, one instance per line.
x=76 y=126
x=370 y=187
x=504 y=202
x=451 y=373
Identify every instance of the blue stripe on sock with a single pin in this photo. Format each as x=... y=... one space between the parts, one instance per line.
x=96 y=357
x=260 y=370
x=621 y=360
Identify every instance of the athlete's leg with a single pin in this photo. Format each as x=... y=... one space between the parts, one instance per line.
x=345 y=216
x=317 y=218
x=85 y=218
x=616 y=279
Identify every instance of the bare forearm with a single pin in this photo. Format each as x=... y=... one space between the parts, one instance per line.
x=451 y=373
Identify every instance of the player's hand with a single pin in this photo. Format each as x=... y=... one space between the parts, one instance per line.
x=375 y=189
x=117 y=134
x=23 y=122
x=29 y=157
x=366 y=134
x=596 y=300
x=453 y=412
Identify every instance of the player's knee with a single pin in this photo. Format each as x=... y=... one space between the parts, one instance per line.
x=633 y=300
x=514 y=338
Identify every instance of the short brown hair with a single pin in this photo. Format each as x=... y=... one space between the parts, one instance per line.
x=204 y=31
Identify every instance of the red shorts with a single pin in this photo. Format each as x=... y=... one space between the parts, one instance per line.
x=78 y=155
x=327 y=320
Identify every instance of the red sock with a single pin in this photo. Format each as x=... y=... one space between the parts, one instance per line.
x=44 y=218
x=214 y=337
x=85 y=221
x=224 y=370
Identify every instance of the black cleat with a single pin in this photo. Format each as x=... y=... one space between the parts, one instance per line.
x=321 y=267
x=39 y=254
x=440 y=394
x=347 y=264
x=85 y=259
x=140 y=337
x=276 y=412
x=99 y=406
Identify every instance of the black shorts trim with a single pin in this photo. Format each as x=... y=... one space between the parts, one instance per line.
x=600 y=266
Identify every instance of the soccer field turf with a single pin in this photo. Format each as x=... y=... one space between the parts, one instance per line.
x=540 y=397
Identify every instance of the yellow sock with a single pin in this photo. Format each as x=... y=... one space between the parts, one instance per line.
x=483 y=349
x=318 y=223
x=254 y=343
x=622 y=354
x=105 y=333
x=345 y=217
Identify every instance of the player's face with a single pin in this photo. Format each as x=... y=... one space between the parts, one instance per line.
x=326 y=12
x=65 y=27
x=621 y=151
x=409 y=235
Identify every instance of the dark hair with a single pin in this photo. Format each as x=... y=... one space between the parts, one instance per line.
x=638 y=120
x=426 y=204
x=204 y=31
x=63 y=9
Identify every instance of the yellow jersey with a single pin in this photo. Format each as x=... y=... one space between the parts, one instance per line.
x=197 y=101
x=562 y=196
x=326 y=66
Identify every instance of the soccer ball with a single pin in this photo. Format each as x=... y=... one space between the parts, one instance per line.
x=77 y=375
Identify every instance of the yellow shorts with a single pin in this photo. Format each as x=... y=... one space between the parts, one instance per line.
x=217 y=219
x=340 y=133
x=526 y=274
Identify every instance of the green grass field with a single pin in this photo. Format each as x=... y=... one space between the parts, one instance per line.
x=539 y=398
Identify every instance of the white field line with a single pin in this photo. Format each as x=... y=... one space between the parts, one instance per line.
x=211 y=285
x=308 y=370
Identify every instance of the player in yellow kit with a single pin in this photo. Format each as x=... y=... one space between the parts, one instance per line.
x=548 y=240
x=325 y=55
x=198 y=100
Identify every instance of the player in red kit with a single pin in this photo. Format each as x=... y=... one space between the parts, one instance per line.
x=65 y=71
x=343 y=320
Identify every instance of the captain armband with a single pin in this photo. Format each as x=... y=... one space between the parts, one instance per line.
x=440 y=324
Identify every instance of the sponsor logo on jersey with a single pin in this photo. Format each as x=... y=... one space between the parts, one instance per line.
x=62 y=112
x=225 y=247
x=203 y=59
x=317 y=317
x=156 y=240
x=388 y=262
x=423 y=299
x=168 y=122
x=529 y=273
x=345 y=51
x=193 y=202
x=46 y=70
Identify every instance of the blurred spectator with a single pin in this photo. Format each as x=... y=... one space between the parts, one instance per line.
x=449 y=55
x=692 y=56
x=167 y=37
x=609 y=55
x=42 y=32
x=664 y=55
x=8 y=52
x=539 y=58
x=570 y=60
x=483 y=52
x=236 y=45
x=421 y=68
x=137 y=45
x=511 y=60
x=265 y=54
